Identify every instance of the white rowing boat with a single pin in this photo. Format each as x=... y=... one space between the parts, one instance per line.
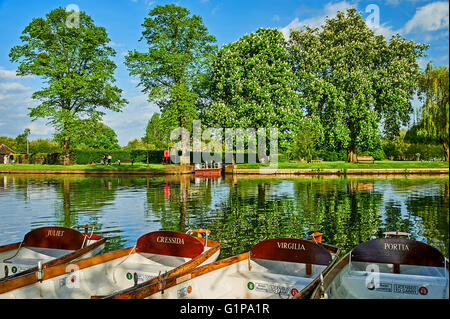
x=273 y=268
x=156 y=255
x=48 y=246
x=387 y=268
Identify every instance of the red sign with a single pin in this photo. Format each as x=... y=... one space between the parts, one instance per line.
x=294 y=291
x=423 y=291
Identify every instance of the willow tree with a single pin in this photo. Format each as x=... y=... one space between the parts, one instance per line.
x=359 y=84
x=435 y=110
x=72 y=57
x=254 y=86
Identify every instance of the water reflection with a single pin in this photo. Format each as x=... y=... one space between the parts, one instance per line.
x=239 y=211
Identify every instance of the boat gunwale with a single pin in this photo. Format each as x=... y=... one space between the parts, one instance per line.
x=8 y=247
x=50 y=271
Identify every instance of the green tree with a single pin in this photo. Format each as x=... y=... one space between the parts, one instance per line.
x=254 y=86
x=171 y=71
x=354 y=80
x=135 y=144
x=156 y=134
x=91 y=134
x=308 y=137
x=435 y=110
x=22 y=141
x=8 y=141
x=74 y=63
x=44 y=146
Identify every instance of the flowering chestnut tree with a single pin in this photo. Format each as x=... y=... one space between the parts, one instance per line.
x=359 y=84
x=254 y=86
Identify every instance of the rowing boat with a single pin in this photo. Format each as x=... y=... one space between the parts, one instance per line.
x=273 y=268
x=46 y=247
x=156 y=255
x=387 y=268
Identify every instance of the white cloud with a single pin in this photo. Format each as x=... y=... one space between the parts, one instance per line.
x=429 y=18
x=11 y=75
x=37 y=128
x=330 y=10
x=131 y=123
x=7 y=74
x=12 y=87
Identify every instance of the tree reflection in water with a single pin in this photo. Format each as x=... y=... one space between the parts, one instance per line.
x=240 y=211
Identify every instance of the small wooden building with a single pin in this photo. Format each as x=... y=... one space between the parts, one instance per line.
x=5 y=151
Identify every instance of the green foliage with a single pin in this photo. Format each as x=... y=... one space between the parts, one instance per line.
x=354 y=80
x=404 y=148
x=74 y=63
x=171 y=71
x=330 y=155
x=44 y=146
x=135 y=144
x=434 y=88
x=21 y=141
x=89 y=156
x=91 y=134
x=254 y=86
x=156 y=134
x=309 y=135
x=8 y=141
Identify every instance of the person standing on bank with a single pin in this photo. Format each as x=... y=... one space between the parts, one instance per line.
x=104 y=159
x=11 y=158
x=109 y=159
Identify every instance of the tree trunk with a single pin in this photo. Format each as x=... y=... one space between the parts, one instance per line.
x=185 y=158
x=67 y=151
x=445 y=145
x=351 y=154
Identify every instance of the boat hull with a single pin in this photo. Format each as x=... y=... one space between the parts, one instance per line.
x=388 y=268
x=208 y=172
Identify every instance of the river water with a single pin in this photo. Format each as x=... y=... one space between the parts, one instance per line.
x=240 y=211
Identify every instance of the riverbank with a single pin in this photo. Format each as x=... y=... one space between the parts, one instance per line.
x=128 y=169
x=342 y=168
x=282 y=169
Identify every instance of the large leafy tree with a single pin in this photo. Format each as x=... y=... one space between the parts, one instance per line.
x=172 y=69
x=74 y=62
x=357 y=83
x=92 y=134
x=254 y=85
x=435 y=110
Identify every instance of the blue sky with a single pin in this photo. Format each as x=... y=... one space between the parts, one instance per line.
x=419 y=20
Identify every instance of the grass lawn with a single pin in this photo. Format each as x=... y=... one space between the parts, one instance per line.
x=123 y=166
x=344 y=165
x=321 y=165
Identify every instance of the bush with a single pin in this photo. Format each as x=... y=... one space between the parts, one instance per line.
x=378 y=154
x=332 y=155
